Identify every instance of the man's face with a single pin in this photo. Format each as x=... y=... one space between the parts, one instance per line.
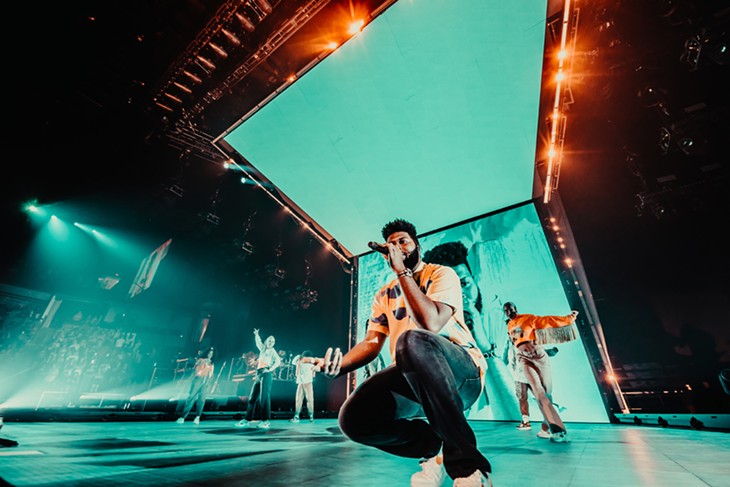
x=510 y=310
x=470 y=294
x=406 y=245
x=468 y=285
x=270 y=342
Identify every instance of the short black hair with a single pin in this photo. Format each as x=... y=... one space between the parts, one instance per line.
x=399 y=225
x=452 y=254
x=449 y=254
x=307 y=353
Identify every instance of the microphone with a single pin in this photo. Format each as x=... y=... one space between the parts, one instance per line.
x=378 y=248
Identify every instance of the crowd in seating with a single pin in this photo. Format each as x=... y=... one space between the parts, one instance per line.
x=83 y=354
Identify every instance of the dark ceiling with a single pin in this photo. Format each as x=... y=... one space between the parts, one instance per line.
x=646 y=155
x=95 y=75
x=90 y=128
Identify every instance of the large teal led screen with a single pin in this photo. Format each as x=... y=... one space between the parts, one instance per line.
x=508 y=260
x=431 y=111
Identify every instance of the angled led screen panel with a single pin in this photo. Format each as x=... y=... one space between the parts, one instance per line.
x=429 y=114
x=508 y=259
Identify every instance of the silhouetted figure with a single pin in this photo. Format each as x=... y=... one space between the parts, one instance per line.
x=305 y=372
x=202 y=374
x=260 y=395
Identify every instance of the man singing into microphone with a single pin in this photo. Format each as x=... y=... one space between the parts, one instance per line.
x=415 y=408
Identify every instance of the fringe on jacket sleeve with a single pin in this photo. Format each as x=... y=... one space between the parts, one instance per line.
x=547 y=336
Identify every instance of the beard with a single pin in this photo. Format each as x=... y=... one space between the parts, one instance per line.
x=411 y=260
x=469 y=320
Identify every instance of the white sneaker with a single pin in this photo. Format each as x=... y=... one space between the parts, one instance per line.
x=196 y=420
x=477 y=479
x=544 y=434
x=264 y=425
x=560 y=437
x=432 y=473
x=242 y=424
x=180 y=420
x=295 y=419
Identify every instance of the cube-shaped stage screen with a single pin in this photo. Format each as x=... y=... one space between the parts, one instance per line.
x=429 y=114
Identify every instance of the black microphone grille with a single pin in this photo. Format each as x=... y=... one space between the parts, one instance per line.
x=378 y=248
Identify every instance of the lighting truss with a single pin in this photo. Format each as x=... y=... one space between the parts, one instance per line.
x=185 y=135
x=563 y=98
x=192 y=61
x=304 y=14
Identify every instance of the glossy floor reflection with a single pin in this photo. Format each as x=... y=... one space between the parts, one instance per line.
x=317 y=454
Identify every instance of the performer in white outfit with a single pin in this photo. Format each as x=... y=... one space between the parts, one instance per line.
x=305 y=388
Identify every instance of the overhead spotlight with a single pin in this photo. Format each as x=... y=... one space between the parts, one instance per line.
x=245 y=22
x=662 y=422
x=231 y=37
x=355 y=26
x=607 y=25
x=164 y=107
x=212 y=218
x=686 y=144
x=247 y=247
x=307 y=268
x=719 y=52
x=218 y=50
x=194 y=78
x=654 y=96
x=182 y=87
x=696 y=424
x=173 y=97
x=659 y=211
x=665 y=139
x=176 y=190
x=265 y=6
x=637 y=421
x=32 y=207
x=692 y=52
x=206 y=62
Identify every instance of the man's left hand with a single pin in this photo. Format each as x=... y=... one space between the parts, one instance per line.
x=331 y=363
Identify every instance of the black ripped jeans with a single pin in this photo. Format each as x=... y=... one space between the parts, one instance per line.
x=412 y=408
x=260 y=395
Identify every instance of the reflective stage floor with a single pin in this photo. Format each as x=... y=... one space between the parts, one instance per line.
x=160 y=454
